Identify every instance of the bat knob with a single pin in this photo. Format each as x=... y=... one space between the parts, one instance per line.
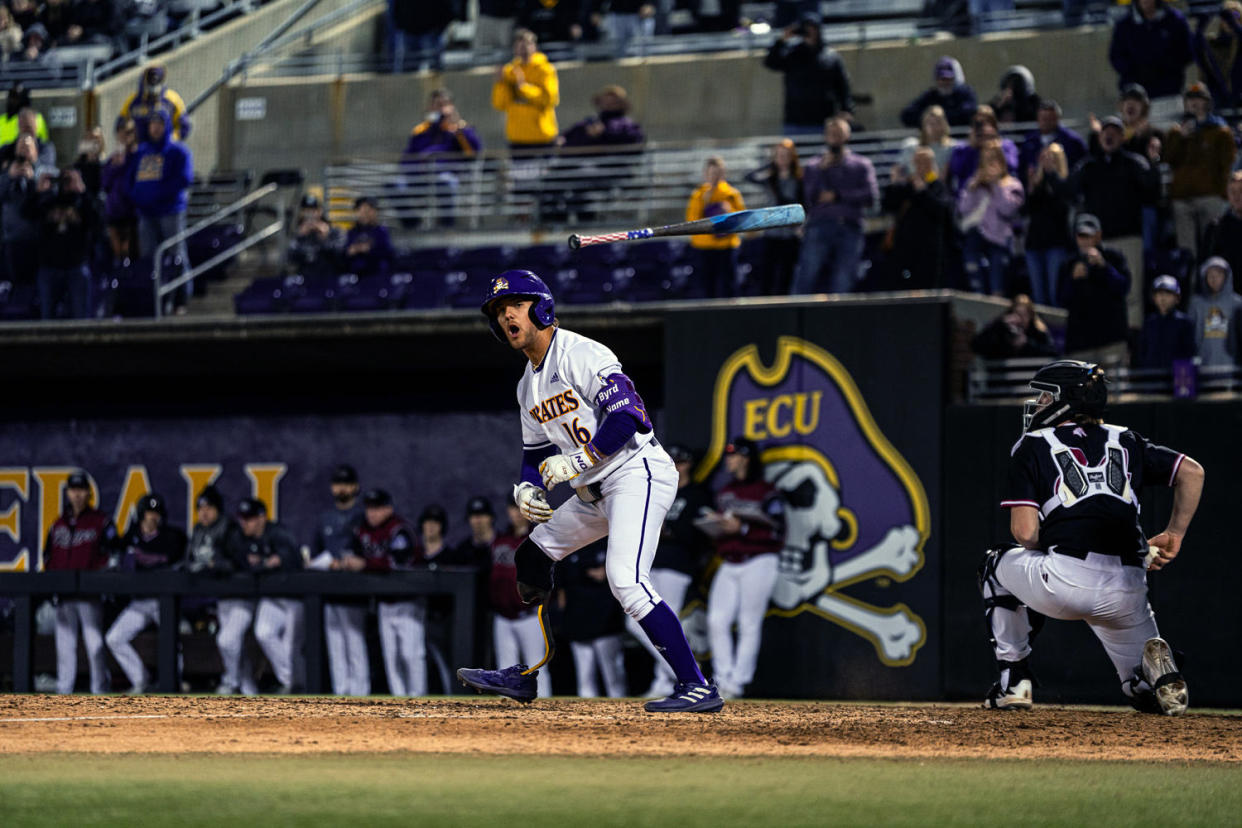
x=574 y=242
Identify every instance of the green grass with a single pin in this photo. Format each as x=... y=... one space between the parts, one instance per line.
x=449 y=790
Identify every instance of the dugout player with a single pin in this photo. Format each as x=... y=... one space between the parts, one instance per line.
x=83 y=537
x=150 y=545
x=1072 y=496
x=515 y=625
x=344 y=620
x=583 y=423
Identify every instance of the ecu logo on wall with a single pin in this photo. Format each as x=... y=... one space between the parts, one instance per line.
x=855 y=511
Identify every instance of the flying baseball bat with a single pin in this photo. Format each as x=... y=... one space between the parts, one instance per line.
x=786 y=215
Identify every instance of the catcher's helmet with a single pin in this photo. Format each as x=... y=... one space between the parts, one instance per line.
x=1075 y=387
x=520 y=283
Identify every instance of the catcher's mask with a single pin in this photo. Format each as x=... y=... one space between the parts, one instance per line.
x=1066 y=388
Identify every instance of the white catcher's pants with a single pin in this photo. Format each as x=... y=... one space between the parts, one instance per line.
x=403 y=637
x=70 y=614
x=636 y=497
x=1111 y=598
x=740 y=594
x=132 y=620
x=521 y=641
x=671 y=585
x=345 y=629
x=604 y=653
x=235 y=615
x=278 y=626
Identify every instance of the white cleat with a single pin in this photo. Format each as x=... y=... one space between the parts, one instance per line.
x=1017 y=697
x=1162 y=674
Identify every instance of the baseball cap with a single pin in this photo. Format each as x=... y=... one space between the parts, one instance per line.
x=743 y=446
x=361 y=200
x=434 y=512
x=1135 y=91
x=251 y=507
x=211 y=496
x=310 y=200
x=151 y=502
x=1168 y=283
x=377 y=497
x=479 y=505
x=344 y=473
x=77 y=480
x=680 y=454
x=1112 y=121
x=811 y=18
x=1198 y=90
x=1086 y=223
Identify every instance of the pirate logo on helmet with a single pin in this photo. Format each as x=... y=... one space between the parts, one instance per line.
x=500 y=284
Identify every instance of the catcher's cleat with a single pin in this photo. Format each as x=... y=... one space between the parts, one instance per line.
x=688 y=698
x=513 y=682
x=1017 y=697
x=1162 y=674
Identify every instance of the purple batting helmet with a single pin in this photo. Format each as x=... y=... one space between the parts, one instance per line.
x=520 y=283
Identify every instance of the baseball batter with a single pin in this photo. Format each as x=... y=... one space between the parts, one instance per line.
x=1073 y=507
x=583 y=423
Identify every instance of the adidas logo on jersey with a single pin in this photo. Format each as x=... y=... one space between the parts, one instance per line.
x=555 y=377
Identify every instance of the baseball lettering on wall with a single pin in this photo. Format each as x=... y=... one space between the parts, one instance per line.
x=855 y=510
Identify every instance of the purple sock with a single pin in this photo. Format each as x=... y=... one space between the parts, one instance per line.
x=664 y=630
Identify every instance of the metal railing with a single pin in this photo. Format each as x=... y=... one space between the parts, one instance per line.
x=162 y=290
x=1006 y=380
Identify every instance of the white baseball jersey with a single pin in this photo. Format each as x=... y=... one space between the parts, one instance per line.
x=557 y=400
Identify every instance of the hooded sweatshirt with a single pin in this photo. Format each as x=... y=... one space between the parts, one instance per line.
x=163 y=171
x=959 y=105
x=1213 y=316
x=1023 y=104
x=529 y=106
x=1153 y=52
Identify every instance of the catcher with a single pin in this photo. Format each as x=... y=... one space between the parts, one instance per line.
x=1072 y=495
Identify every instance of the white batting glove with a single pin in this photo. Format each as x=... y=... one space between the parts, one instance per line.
x=532 y=502
x=561 y=468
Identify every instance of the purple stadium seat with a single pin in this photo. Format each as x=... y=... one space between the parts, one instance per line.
x=367 y=295
x=542 y=258
x=609 y=255
x=426 y=291
x=660 y=251
x=494 y=258
x=422 y=259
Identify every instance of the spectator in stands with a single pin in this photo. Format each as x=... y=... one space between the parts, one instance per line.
x=154 y=96
x=1227 y=234
x=25 y=12
x=162 y=171
x=1050 y=131
x=493 y=28
x=89 y=162
x=717 y=253
x=265 y=546
x=151 y=544
x=593 y=623
x=781 y=179
x=1200 y=152
x=987 y=209
x=933 y=134
x=442 y=138
x=817 y=87
x=94 y=21
x=1151 y=46
x=144 y=18
x=416 y=32
x=631 y=20
x=614 y=135
x=1217 y=39
x=1168 y=334
x=20 y=232
x=344 y=619
x=368 y=248
x=1048 y=240
x=920 y=244
x=718 y=16
x=57 y=18
x=516 y=634
x=837 y=187
x=119 y=214
x=1134 y=110
x=17 y=100
x=1018 y=332
x=27 y=124
x=10 y=34
x=68 y=224
x=1214 y=313
x=610 y=127
x=316 y=246
x=964 y=159
x=1017 y=101
x=36 y=46
x=527 y=92
x=1093 y=286
x=555 y=21
x=949 y=92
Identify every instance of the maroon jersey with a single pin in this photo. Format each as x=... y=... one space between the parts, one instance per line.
x=502 y=584
x=82 y=542
x=383 y=547
x=758 y=505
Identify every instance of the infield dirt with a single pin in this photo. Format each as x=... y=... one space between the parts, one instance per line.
x=572 y=727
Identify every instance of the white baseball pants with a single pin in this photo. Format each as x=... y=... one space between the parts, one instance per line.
x=1111 y=598
x=403 y=638
x=671 y=585
x=521 y=641
x=71 y=614
x=278 y=626
x=739 y=595
x=132 y=620
x=345 y=630
x=235 y=616
x=604 y=654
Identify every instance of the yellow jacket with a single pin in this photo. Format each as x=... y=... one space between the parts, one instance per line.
x=714 y=201
x=529 y=106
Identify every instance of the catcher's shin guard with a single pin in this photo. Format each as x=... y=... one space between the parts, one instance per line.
x=534 y=573
x=549 y=645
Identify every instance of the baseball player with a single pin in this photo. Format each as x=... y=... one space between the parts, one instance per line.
x=748 y=524
x=382 y=542
x=83 y=537
x=583 y=423
x=149 y=545
x=344 y=621
x=515 y=626
x=1072 y=495
x=265 y=546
